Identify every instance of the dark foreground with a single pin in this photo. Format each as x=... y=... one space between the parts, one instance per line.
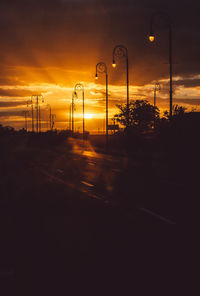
x=75 y=222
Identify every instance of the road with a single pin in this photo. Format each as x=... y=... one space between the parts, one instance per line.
x=77 y=236
x=97 y=175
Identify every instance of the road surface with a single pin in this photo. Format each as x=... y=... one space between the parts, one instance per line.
x=77 y=236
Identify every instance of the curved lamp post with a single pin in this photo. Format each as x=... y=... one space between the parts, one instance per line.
x=101 y=68
x=152 y=39
x=74 y=95
x=120 y=51
x=157 y=87
x=30 y=102
x=39 y=120
x=70 y=115
x=80 y=87
x=37 y=98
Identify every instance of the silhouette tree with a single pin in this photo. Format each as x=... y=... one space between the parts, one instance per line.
x=178 y=112
x=142 y=115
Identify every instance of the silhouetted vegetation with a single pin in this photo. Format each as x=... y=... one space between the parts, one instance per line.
x=142 y=115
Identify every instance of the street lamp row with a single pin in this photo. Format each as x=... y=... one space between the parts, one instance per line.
x=120 y=51
x=37 y=99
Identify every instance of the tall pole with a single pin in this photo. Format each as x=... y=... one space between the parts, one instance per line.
x=80 y=86
x=50 y=117
x=50 y=125
x=170 y=71
x=152 y=39
x=106 y=110
x=37 y=98
x=39 y=120
x=156 y=88
x=70 y=119
x=120 y=51
x=83 y=115
x=72 y=114
x=53 y=116
x=32 y=117
x=37 y=114
x=26 y=121
x=26 y=127
x=73 y=95
x=28 y=103
x=100 y=69
x=127 y=75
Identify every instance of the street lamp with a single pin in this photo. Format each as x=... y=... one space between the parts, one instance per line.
x=74 y=95
x=120 y=51
x=70 y=116
x=152 y=39
x=157 y=87
x=101 y=68
x=37 y=98
x=80 y=87
x=39 y=120
x=30 y=102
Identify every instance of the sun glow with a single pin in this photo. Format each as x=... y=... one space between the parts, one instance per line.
x=89 y=116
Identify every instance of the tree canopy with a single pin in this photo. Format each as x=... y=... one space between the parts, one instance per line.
x=142 y=114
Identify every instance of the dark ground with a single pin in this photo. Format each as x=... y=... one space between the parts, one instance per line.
x=76 y=222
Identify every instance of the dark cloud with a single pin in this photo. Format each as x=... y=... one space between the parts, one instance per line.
x=187 y=83
x=77 y=34
x=9 y=80
x=192 y=102
x=7 y=114
x=8 y=103
x=15 y=93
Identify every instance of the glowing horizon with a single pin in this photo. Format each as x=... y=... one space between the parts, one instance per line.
x=59 y=97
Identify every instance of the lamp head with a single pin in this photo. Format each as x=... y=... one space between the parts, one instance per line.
x=151 y=37
x=114 y=64
x=96 y=76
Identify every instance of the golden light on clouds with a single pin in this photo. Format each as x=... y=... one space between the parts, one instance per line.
x=59 y=96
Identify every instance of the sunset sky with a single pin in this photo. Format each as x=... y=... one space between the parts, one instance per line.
x=47 y=46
